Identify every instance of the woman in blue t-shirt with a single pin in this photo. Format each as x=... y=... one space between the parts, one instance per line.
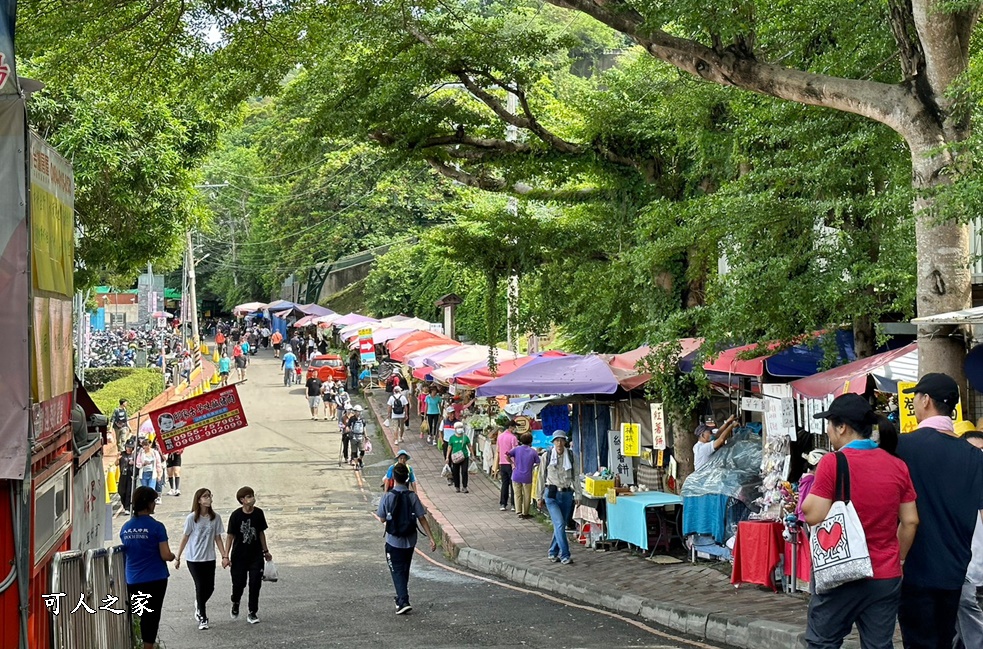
x=433 y=403
x=147 y=551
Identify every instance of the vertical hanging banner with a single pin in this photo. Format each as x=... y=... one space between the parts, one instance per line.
x=195 y=420
x=631 y=440
x=366 y=347
x=659 y=437
x=617 y=462
x=52 y=224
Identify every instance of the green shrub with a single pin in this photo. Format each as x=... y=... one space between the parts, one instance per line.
x=138 y=387
x=97 y=377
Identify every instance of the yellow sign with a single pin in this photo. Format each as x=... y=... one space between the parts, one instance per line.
x=631 y=440
x=906 y=407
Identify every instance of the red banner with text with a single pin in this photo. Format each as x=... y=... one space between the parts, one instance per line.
x=195 y=420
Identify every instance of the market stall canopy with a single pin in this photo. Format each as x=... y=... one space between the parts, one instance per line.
x=625 y=365
x=248 y=307
x=280 y=305
x=326 y=320
x=400 y=348
x=352 y=318
x=886 y=369
x=161 y=314
x=315 y=310
x=475 y=377
x=385 y=335
x=429 y=348
x=452 y=366
x=386 y=323
x=563 y=375
x=434 y=358
x=306 y=320
x=799 y=360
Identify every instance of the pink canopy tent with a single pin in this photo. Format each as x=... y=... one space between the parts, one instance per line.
x=887 y=367
x=443 y=365
x=625 y=365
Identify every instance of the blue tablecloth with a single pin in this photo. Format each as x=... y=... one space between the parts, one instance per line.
x=626 y=518
x=712 y=514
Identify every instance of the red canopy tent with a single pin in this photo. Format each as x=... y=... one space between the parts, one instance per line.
x=401 y=347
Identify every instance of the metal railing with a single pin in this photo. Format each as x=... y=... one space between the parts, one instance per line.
x=91 y=608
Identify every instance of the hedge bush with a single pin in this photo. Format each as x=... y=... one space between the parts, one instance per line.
x=138 y=387
x=97 y=377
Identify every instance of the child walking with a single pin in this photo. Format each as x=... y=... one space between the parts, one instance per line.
x=524 y=457
x=247 y=542
x=202 y=528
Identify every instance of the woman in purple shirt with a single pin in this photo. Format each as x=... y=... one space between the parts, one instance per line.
x=524 y=457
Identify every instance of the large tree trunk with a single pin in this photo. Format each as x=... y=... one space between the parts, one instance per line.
x=944 y=282
x=683 y=425
x=864 y=336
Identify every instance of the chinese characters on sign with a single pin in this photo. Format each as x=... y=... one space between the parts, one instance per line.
x=659 y=440
x=631 y=435
x=188 y=422
x=366 y=348
x=138 y=604
x=617 y=462
x=906 y=408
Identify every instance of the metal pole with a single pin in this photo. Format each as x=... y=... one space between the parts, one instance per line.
x=193 y=305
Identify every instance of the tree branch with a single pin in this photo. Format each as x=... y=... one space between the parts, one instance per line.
x=903 y=27
x=875 y=100
x=519 y=189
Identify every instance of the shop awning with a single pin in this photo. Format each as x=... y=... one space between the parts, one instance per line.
x=474 y=377
x=280 y=305
x=306 y=320
x=972 y=316
x=801 y=359
x=563 y=375
x=886 y=369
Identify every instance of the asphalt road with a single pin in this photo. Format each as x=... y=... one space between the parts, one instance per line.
x=335 y=589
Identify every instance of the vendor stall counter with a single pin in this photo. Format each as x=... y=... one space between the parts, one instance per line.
x=628 y=520
x=757 y=553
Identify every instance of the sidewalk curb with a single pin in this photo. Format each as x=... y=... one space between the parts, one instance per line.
x=711 y=624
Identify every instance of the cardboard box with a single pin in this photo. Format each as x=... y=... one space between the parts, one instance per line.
x=597 y=487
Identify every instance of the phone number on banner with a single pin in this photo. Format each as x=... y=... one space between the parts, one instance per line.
x=204 y=430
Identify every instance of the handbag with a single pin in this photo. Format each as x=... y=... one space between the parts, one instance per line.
x=458 y=456
x=838 y=544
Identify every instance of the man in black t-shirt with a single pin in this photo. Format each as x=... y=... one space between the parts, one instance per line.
x=314 y=394
x=948 y=478
x=247 y=537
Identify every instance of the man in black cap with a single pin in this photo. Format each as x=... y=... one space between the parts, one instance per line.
x=948 y=479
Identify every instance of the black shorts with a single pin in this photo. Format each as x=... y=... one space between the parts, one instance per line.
x=277 y=345
x=241 y=362
x=172 y=461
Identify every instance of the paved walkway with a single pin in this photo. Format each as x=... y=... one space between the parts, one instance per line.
x=697 y=599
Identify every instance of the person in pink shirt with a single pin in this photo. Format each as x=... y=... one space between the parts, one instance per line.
x=506 y=442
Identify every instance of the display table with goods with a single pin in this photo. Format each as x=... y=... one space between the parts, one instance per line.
x=644 y=519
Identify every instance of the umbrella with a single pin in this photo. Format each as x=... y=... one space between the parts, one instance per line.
x=161 y=314
x=315 y=310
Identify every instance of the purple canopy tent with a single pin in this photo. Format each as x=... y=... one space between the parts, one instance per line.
x=558 y=375
x=350 y=319
x=315 y=310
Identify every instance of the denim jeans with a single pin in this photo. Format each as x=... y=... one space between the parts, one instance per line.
x=560 y=509
x=147 y=479
x=399 y=560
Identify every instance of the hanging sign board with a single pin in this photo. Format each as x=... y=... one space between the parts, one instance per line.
x=631 y=436
x=752 y=404
x=659 y=436
x=366 y=347
x=195 y=420
x=906 y=406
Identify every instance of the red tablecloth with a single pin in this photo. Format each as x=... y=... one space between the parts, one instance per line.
x=804 y=558
x=757 y=552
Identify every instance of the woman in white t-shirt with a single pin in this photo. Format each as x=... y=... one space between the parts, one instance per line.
x=202 y=528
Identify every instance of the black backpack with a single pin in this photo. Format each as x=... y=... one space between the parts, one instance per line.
x=401 y=520
x=398 y=405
